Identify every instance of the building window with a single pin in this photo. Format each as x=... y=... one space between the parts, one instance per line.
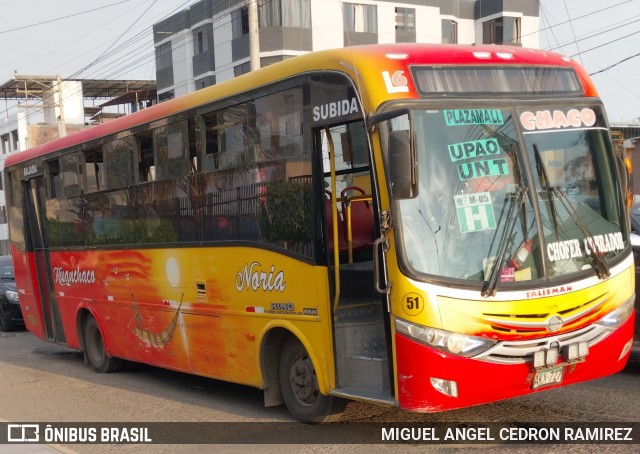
x=14 y=136
x=241 y=69
x=405 y=25
x=449 y=31
x=240 y=22
x=4 y=143
x=406 y=19
x=360 y=18
x=205 y=82
x=164 y=59
x=166 y=96
x=200 y=41
x=492 y=31
x=285 y=13
x=504 y=30
x=516 y=31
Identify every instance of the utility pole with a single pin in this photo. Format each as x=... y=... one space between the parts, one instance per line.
x=62 y=127
x=254 y=35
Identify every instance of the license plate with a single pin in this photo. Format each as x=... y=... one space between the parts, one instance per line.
x=547 y=377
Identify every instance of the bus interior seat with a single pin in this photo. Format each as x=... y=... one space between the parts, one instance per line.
x=362 y=225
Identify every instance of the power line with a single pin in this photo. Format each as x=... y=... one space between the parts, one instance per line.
x=549 y=30
x=567 y=21
x=606 y=44
x=601 y=31
x=627 y=90
x=135 y=39
x=64 y=17
x=125 y=65
x=573 y=32
x=114 y=42
x=614 y=65
x=75 y=40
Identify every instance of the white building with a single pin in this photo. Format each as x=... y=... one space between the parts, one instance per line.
x=209 y=42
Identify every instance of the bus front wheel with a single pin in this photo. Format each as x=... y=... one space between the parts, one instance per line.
x=299 y=387
x=95 y=351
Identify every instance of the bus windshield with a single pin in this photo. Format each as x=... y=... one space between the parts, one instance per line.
x=484 y=195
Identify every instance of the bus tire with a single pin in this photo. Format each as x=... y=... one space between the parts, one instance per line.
x=299 y=387
x=95 y=351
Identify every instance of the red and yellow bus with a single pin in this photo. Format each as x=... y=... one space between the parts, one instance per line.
x=425 y=226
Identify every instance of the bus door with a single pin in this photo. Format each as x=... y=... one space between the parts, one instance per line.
x=360 y=316
x=35 y=219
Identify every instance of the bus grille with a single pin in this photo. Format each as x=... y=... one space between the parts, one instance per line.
x=518 y=352
x=537 y=323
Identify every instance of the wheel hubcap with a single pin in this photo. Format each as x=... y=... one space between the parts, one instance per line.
x=303 y=381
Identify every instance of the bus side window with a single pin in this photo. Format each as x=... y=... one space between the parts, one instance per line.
x=195 y=143
x=210 y=157
x=170 y=144
x=55 y=179
x=236 y=135
x=146 y=160
x=15 y=200
x=72 y=182
x=119 y=157
x=94 y=169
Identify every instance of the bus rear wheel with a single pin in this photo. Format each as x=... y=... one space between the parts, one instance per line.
x=299 y=387
x=94 y=349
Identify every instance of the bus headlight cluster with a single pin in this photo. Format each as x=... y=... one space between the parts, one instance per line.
x=619 y=315
x=456 y=343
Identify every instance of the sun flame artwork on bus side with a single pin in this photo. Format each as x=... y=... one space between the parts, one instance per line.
x=122 y=283
x=162 y=338
x=155 y=339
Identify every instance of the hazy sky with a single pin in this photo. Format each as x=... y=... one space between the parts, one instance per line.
x=115 y=41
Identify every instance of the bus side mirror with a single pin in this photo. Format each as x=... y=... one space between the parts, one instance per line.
x=402 y=166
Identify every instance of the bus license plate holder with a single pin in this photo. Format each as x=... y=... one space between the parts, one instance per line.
x=548 y=377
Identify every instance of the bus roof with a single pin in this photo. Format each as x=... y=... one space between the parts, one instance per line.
x=370 y=60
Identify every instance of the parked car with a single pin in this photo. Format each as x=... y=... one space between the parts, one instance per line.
x=634 y=214
x=10 y=312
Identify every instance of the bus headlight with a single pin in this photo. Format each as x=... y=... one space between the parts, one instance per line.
x=619 y=315
x=11 y=295
x=456 y=343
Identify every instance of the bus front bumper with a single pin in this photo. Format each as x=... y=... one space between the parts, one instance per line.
x=477 y=382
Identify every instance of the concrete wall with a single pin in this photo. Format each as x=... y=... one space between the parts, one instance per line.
x=222 y=34
x=73 y=103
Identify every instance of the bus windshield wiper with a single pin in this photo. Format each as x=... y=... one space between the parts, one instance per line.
x=516 y=200
x=598 y=263
x=542 y=174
